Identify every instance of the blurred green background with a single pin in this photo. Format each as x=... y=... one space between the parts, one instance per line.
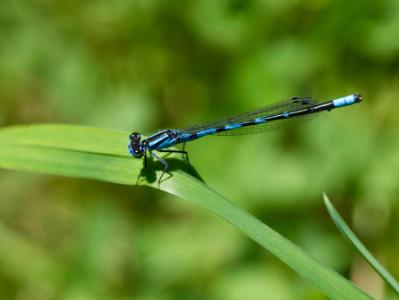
x=147 y=65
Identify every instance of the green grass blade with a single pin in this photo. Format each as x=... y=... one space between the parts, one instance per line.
x=101 y=154
x=345 y=230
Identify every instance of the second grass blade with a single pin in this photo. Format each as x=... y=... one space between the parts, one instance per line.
x=347 y=233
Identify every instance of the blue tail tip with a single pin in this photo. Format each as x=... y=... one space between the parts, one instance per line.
x=347 y=100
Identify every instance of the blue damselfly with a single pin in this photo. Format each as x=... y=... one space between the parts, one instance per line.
x=255 y=121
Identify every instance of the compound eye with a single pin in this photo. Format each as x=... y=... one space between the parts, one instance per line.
x=135 y=136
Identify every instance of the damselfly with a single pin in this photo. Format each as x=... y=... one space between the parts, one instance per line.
x=255 y=121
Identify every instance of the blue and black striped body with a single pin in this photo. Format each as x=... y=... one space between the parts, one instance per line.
x=255 y=121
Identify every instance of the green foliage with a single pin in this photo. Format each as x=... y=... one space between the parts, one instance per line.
x=146 y=65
